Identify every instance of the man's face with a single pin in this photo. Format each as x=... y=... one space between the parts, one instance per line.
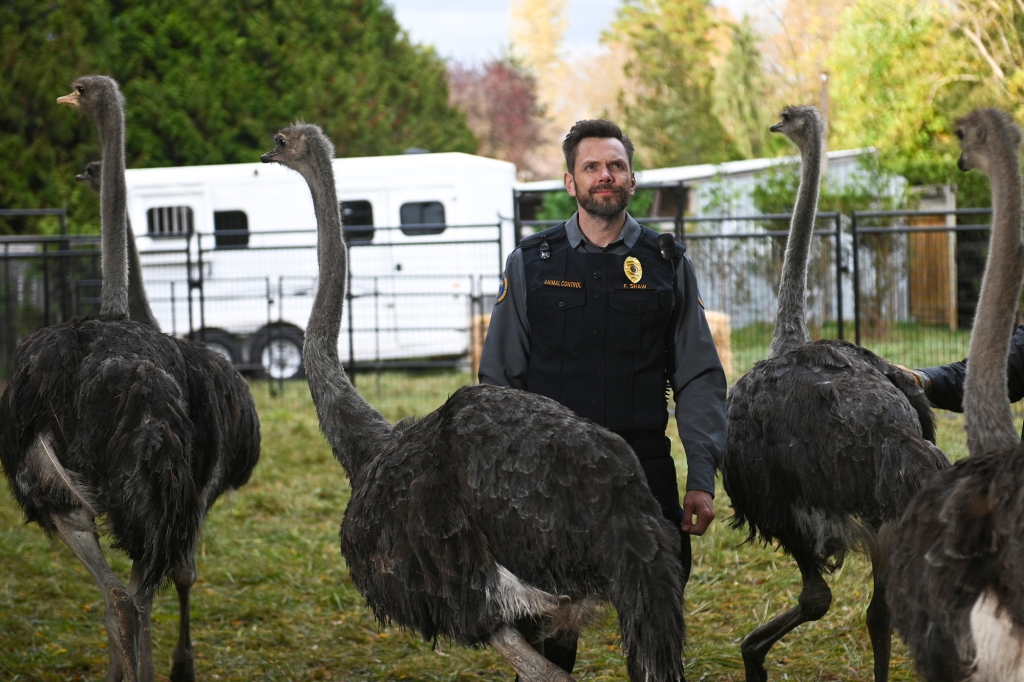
x=602 y=181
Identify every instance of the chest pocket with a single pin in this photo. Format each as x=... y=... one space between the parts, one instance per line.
x=632 y=316
x=557 y=317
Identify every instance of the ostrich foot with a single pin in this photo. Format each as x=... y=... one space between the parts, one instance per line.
x=754 y=668
x=524 y=659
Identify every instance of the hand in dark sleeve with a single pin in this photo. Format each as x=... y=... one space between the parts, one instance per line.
x=945 y=383
x=506 y=354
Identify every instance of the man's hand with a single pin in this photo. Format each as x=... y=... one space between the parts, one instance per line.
x=917 y=375
x=700 y=504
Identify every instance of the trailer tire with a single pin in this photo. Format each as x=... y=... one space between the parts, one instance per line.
x=278 y=352
x=220 y=342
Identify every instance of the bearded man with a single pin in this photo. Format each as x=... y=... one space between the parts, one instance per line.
x=601 y=316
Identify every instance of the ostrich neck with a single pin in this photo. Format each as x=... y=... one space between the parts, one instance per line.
x=138 y=302
x=790 y=322
x=352 y=426
x=987 y=418
x=113 y=215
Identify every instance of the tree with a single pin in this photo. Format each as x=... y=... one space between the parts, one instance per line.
x=671 y=112
x=209 y=82
x=928 y=80
x=499 y=100
x=742 y=100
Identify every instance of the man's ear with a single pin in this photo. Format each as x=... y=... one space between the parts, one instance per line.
x=570 y=184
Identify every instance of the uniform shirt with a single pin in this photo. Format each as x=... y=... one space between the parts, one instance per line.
x=946 y=382
x=697 y=379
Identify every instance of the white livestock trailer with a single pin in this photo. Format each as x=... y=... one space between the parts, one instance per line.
x=229 y=253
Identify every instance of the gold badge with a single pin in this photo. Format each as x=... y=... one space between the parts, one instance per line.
x=633 y=269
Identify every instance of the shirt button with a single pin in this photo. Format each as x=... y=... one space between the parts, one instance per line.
x=597 y=295
x=594 y=366
x=595 y=401
x=561 y=304
x=596 y=332
x=597 y=274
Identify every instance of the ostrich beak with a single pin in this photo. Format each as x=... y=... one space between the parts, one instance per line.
x=776 y=128
x=962 y=165
x=70 y=100
x=81 y=177
x=269 y=156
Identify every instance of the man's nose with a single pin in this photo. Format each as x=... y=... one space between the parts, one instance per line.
x=606 y=175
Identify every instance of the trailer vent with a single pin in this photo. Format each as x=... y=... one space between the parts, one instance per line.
x=169 y=221
x=230 y=229
x=422 y=217
x=357 y=216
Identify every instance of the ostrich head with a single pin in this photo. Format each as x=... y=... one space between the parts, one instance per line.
x=978 y=131
x=98 y=96
x=301 y=147
x=800 y=124
x=90 y=175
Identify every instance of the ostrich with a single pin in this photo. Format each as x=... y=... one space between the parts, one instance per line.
x=955 y=587
x=138 y=302
x=498 y=510
x=827 y=442
x=109 y=418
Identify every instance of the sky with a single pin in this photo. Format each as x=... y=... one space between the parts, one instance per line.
x=473 y=31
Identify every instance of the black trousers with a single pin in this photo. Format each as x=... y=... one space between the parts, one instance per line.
x=654 y=450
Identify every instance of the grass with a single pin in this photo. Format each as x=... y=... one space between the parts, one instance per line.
x=274 y=600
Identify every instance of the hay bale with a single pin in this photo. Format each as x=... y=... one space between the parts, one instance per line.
x=721 y=333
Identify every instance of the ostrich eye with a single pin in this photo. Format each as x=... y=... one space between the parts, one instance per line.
x=80 y=89
x=280 y=141
x=785 y=117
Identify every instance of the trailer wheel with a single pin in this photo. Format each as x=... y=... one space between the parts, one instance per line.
x=278 y=350
x=220 y=342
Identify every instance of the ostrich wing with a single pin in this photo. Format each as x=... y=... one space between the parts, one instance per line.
x=821 y=442
x=483 y=482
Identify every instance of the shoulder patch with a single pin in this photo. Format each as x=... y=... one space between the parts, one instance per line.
x=502 y=290
x=700 y=300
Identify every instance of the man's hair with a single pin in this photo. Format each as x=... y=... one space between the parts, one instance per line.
x=594 y=127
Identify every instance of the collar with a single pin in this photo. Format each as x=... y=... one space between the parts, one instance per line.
x=630 y=232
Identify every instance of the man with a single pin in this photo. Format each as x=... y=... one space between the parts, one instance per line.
x=596 y=315
x=944 y=384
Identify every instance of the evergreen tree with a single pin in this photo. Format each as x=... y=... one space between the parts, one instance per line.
x=209 y=81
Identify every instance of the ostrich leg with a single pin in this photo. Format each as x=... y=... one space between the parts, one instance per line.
x=524 y=659
x=814 y=601
x=122 y=615
x=879 y=626
x=183 y=669
x=144 y=600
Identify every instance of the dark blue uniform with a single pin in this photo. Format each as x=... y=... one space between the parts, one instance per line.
x=604 y=331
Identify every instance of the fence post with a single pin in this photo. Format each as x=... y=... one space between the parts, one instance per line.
x=202 y=293
x=839 y=275
x=856 y=277
x=191 y=285
x=46 y=286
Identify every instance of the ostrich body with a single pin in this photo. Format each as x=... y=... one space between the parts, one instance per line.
x=500 y=507
x=956 y=585
x=138 y=302
x=827 y=442
x=107 y=417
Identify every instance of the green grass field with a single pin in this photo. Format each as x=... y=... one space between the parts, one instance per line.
x=274 y=600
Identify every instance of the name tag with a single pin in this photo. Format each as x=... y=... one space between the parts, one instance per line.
x=630 y=285
x=565 y=284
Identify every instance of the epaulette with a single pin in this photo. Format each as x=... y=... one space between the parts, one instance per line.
x=652 y=237
x=550 y=235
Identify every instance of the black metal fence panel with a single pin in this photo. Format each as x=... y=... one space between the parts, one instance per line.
x=903 y=283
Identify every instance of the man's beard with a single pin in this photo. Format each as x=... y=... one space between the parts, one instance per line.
x=604 y=207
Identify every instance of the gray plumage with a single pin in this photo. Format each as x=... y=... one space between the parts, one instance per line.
x=499 y=507
x=827 y=442
x=956 y=587
x=108 y=417
x=138 y=302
